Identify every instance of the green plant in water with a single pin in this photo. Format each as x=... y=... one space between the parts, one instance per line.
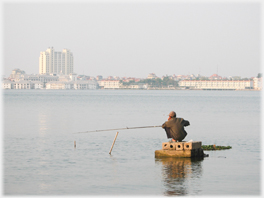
x=214 y=147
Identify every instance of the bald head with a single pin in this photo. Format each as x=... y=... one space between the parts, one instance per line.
x=172 y=114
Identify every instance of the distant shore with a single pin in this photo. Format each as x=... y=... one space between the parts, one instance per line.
x=176 y=89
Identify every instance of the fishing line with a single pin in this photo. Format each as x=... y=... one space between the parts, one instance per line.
x=117 y=129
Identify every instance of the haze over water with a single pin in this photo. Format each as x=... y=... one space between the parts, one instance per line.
x=40 y=158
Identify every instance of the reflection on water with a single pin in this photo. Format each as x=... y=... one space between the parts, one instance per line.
x=177 y=171
x=42 y=123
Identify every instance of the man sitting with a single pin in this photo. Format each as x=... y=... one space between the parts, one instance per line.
x=174 y=127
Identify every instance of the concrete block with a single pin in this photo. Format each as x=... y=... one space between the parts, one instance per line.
x=192 y=145
x=180 y=154
x=173 y=153
x=179 y=146
x=168 y=146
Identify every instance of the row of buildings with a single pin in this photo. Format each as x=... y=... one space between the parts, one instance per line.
x=20 y=80
x=79 y=84
x=255 y=84
x=25 y=84
x=112 y=84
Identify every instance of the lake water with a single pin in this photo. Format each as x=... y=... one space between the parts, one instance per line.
x=39 y=157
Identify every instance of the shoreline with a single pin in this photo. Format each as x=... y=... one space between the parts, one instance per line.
x=149 y=89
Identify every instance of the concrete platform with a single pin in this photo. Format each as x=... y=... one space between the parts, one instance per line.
x=180 y=149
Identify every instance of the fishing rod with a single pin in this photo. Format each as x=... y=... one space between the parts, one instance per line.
x=119 y=129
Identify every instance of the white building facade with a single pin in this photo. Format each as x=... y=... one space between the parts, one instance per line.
x=217 y=84
x=51 y=62
x=39 y=77
x=58 y=85
x=80 y=84
x=85 y=84
x=7 y=84
x=257 y=83
x=23 y=84
x=109 y=84
x=38 y=85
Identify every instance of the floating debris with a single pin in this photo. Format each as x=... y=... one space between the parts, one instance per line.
x=214 y=147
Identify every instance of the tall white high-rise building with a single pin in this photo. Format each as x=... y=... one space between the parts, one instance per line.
x=51 y=62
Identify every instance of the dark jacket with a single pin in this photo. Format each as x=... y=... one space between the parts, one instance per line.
x=175 y=128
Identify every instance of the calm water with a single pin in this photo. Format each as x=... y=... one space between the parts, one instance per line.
x=39 y=157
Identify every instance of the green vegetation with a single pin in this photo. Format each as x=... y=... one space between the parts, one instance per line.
x=160 y=83
x=157 y=83
x=169 y=82
x=202 y=78
x=132 y=82
x=152 y=82
x=214 y=147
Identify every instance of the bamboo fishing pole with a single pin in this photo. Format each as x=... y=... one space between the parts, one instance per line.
x=119 y=129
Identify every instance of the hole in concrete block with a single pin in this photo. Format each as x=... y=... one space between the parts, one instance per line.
x=179 y=146
x=187 y=146
x=171 y=146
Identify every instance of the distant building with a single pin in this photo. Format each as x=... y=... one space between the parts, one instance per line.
x=109 y=84
x=64 y=78
x=58 y=85
x=181 y=77
x=83 y=77
x=85 y=84
x=152 y=76
x=235 y=77
x=7 y=84
x=38 y=85
x=215 y=77
x=192 y=76
x=32 y=77
x=56 y=62
x=23 y=84
x=39 y=77
x=138 y=86
x=80 y=84
x=99 y=77
x=73 y=76
x=129 y=79
x=217 y=84
x=16 y=74
x=257 y=83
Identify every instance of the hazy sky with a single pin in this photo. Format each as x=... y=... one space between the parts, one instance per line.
x=136 y=38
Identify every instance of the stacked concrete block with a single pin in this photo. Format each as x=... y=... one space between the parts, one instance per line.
x=180 y=149
x=179 y=146
x=192 y=145
x=168 y=146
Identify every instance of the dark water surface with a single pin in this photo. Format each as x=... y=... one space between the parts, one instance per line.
x=39 y=157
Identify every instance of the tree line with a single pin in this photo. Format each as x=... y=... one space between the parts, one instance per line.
x=158 y=82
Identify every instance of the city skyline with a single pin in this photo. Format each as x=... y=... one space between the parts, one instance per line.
x=215 y=75
x=20 y=80
x=135 y=39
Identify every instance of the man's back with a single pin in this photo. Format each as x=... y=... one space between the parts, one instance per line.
x=176 y=127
